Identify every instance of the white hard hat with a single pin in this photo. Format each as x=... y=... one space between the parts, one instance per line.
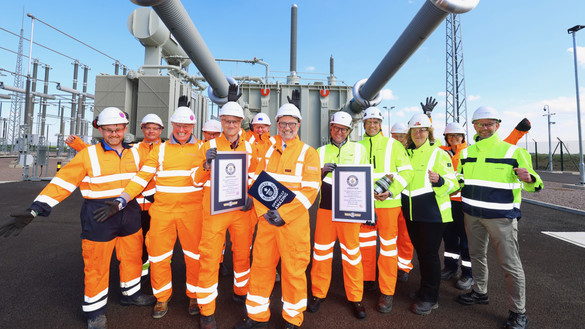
x=261 y=118
x=486 y=112
x=183 y=114
x=399 y=128
x=341 y=118
x=212 y=126
x=152 y=118
x=111 y=116
x=233 y=109
x=288 y=109
x=454 y=128
x=373 y=113
x=419 y=120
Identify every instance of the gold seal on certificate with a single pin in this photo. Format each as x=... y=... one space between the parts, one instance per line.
x=229 y=181
x=353 y=196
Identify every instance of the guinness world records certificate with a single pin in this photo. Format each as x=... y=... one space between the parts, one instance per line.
x=229 y=181
x=353 y=194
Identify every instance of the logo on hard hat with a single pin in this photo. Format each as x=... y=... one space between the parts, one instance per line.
x=268 y=191
x=230 y=169
x=352 y=180
x=121 y=114
x=191 y=117
x=417 y=123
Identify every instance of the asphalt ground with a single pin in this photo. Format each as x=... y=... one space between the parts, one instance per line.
x=41 y=281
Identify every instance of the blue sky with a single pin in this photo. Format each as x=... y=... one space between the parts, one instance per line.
x=517 y=54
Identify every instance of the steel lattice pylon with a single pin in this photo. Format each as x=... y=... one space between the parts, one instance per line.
x=456 y=110
x=17 y=99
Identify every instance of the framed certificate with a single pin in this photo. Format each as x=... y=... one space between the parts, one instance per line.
x=229 y=181
x=353 y=194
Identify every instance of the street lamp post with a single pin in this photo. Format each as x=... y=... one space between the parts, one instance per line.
x=572 y=31
x=548 y=114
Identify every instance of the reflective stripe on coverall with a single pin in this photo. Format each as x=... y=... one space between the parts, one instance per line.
x=297 y=167
x=215 y=226
x=177 y=211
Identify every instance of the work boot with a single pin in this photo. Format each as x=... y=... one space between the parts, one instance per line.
x=160 y=309
x=248 y=323
x=448 y=273
x=99 y=322
x=193 y=306
x=516 y=321
x=138 y=299
x=223 y=270
x=290 y=326
x=240 y=299
x=369 y=285
x=464 y=283
x=402 y=276
x=423 y=308
x=207 y=322
x=359 y=310
x=314 y=304
x=473 y=297
x=384 y=303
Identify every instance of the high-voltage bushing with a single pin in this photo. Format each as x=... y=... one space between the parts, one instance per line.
x=367 y=91
x=175 y=17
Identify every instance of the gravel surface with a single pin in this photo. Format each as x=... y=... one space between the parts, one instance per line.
x=558 y=194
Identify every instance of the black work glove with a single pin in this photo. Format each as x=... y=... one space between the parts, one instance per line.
x=210 y=155
x=111 y=208
x=327 y=168
x=248 y=204
x=296 y=98
x=429 y=106
x=184 y=101
x=524 y=125
x=371 y=223
x=234 y=93
x=14 y=225
x=273 y=218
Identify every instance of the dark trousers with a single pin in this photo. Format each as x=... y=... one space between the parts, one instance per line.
x=426 y=239
x=145 y=221
x=456 y=241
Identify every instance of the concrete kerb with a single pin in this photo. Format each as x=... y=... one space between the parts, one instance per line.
x=556 y=207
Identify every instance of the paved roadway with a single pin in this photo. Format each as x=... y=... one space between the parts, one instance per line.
x=41 y=281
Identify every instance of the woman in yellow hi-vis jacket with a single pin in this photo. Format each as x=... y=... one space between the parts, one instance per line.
x=427 y=207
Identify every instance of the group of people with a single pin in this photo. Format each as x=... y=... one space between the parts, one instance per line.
x=153 y=192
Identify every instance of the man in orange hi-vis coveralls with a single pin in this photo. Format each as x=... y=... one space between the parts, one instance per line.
x=284 y=233
x=340 y=150
x=215 y=226
x=101 y=171
x=176 y=210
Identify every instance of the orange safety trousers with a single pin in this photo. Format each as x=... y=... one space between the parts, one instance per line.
x=165 y=226
x=388 y=261
x=290 y=243
x=210 y=248
x=368 y=247
x=405 y=248
x=97 y=257
x=326 y=232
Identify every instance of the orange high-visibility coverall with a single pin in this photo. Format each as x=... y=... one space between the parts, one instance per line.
x=296 y=167
x=78 y=144
x=176 y=212
x=215 y=226
x=327 y=231
x=101 y=174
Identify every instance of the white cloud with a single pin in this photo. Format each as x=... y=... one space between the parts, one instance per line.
x=387 y=94
x=442 y=94
x=310 y=68
x=473 y=97
x=580 y=55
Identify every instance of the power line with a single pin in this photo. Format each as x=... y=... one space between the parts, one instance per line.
x=38 y=44
x=72 y=37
